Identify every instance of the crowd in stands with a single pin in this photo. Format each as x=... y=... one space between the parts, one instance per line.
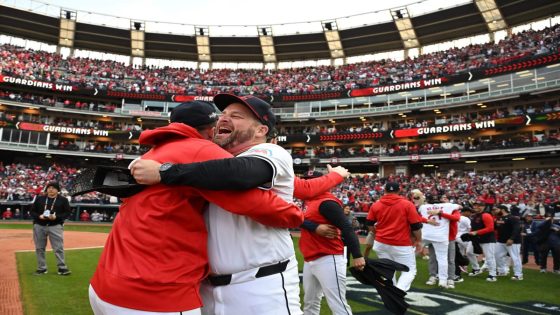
x=112 y=75
x=404 y=149
x=501 y=111
x=532 y=190
x=35 y=99
x=99 y=147
x=22 y=182
x=535 y=192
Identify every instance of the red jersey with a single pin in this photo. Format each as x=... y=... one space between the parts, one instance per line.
x=394 y=215
x=453 y=218
x=156 y=254
x=311 y=244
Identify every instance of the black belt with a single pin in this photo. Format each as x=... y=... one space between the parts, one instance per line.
x=220 y=280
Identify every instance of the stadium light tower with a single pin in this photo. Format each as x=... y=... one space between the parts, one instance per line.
x=67 y=30
x=492 y=16
x=136 y=41
x=267 y=44
x=330 y=28
x=203 y=44
x=405 y=27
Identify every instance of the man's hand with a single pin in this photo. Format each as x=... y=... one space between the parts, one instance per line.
x=146 y=171
x=434 y=212
x=418 y=247
x=339 y=169
x=327 y=230
x=42 y=217
x=433 y=222
x=359 y=263
x=509 y=242
x=52 y=217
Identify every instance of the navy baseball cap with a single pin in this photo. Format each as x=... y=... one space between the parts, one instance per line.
x=261 y=109
x=194 y=114
x=312 y=174
x=503 y=207
x=392 y=187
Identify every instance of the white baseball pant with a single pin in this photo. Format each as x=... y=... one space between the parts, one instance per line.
x=101 y=307
x=325 y=275
x=467 y=250
x=401 y=254
x=502 y=261
x=277 y=294
x=488 y=249
x=439 y=250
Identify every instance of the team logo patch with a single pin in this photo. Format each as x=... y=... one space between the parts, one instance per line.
x=260 y=151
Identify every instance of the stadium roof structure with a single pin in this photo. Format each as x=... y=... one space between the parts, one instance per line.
x=463 y=20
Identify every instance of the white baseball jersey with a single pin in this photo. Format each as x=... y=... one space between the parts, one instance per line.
x=438 y=233
x=237 y=243
x=463 y=227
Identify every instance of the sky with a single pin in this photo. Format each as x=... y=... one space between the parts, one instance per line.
x=229 y=12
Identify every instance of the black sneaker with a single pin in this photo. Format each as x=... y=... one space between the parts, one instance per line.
x=64 y=272
x=40 y=272
x=475 y=272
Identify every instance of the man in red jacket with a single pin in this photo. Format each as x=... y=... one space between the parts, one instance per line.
x=482 y=225
x=156 y=255
x=397 y=227
x=253 y=267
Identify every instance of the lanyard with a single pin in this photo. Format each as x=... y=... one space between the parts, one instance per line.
x=52 y=205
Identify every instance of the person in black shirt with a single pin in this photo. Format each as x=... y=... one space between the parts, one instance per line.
x=509 y=242
x=49 y=213
x=528 y=239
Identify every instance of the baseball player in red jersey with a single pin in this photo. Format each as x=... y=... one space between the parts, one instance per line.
x=324 y=269
x=394 y=219
x=156 y=254
x=482 y=225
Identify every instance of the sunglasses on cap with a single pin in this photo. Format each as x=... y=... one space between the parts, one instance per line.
x=416 y=198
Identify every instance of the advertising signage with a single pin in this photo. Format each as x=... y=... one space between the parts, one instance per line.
x=531 y=62
x=113 y=134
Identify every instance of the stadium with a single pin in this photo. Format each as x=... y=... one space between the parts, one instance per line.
x=459 y=101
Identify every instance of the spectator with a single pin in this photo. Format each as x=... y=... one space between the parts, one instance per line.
x=7 y=215
x=84 y=216
x=49 y=213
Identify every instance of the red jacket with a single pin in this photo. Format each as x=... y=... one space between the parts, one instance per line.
x=312 y=245
x=156 y=254
x=309 y=188
x=394 y=215
x=453 y=218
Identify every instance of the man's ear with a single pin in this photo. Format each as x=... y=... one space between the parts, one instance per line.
x=209 y=133
x=262 y=131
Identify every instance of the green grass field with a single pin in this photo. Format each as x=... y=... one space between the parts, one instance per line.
x=537 y=294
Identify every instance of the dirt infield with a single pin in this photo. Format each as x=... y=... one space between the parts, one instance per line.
x=12 y=241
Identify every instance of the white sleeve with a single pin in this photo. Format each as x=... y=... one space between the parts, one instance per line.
x=278 y=158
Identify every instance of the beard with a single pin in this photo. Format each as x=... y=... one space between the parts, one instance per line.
x=235 y=138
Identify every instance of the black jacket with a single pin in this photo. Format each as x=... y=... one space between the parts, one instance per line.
x=508 y=227
x=61 y=208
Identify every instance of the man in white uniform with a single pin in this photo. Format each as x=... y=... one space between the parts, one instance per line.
x=466 y=247
x=437 y=235
x=248 y=259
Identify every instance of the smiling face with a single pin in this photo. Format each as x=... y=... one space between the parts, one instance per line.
x=238 y=126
